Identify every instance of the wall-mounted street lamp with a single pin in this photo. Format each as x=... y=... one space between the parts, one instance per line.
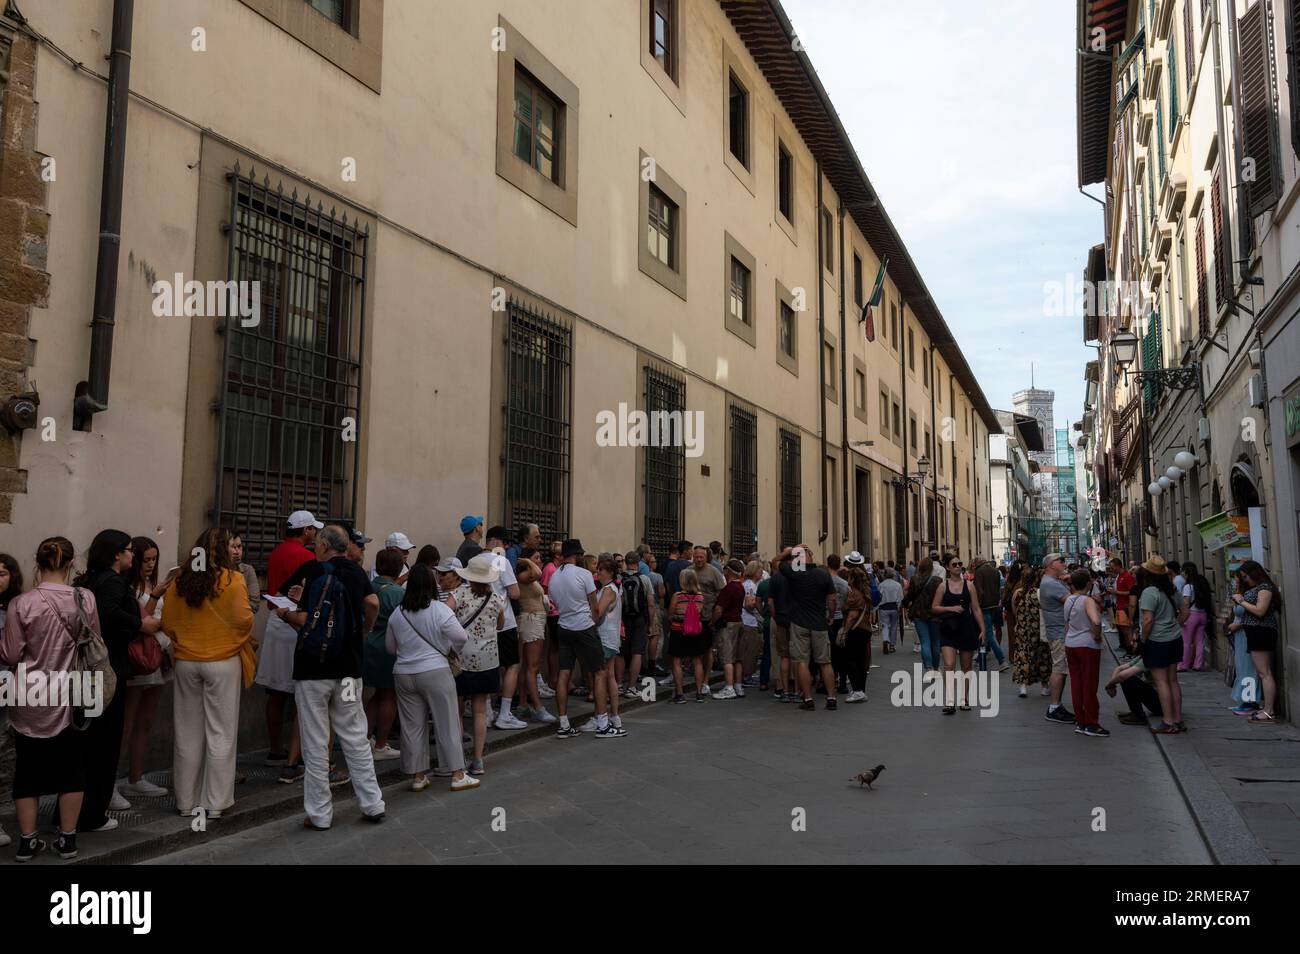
x=1124 y=349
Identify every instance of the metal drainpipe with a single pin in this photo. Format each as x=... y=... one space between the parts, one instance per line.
x=821 y=353
x=92 y=395
x=844 y=387
x=902 y=377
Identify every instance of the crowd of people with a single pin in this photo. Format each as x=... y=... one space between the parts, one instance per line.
x=416 y=646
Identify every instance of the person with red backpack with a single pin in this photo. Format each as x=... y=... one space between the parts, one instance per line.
x=689 y=638
x=336 y=609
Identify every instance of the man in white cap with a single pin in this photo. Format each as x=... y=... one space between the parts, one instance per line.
x=398 y=541
x=275 y=660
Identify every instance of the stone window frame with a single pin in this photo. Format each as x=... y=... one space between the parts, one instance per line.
x=826 y=222
x=782 y=134
x=913 y=438
x=832 y=387
x=562 y=197
x=788 y=361
x=674 y=278
x=670 y=83
x=882 y=391
x=897 y=435
x=746 y=330
x=860 y=411
x=356 y=48
x=732 y=66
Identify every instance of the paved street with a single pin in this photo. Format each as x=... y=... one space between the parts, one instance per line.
x=718 y=782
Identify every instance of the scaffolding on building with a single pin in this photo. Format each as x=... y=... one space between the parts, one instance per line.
x=1054 y=528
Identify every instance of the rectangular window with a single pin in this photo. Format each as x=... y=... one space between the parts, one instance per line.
x=293 y=377
x=738 y=108
x=911 y=350
x=1202 y=286
x=335 y=10
x=911 y=430
x=662 y=36
x=857 y=280
x=537 y=452
x=785 y=182
x=1257 y=118
x=929 y=444
x=740 y=279
x=884 y=413
x=925 y=367
x=1222 y=270
x=665 y=461
x=1292 y=14
x=661 y=228
x=859 y=390
x=743 y=480
x=787 y=330
x=832 y=374
x=828 y=242
x=898 y=422
x=791 y=488
x=538 y=116
x=893 y=324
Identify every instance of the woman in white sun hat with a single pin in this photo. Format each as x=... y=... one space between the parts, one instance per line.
x=481 y=612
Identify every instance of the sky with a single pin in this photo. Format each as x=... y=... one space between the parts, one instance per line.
x=962 y=113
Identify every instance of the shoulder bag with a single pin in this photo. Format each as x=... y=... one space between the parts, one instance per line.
x=90 y=656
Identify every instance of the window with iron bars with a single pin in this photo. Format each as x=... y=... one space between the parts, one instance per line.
x=538 y=411
x=791 y=488
x=743 y=481
x=665 y=460
x=292 y=381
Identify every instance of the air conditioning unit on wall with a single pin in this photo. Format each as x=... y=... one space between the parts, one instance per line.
x=1255 y=390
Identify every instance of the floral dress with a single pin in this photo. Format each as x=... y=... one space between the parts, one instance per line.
x=1031 y=658
x=480 y=652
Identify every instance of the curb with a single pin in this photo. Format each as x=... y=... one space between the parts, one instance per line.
x=1225 y=833
x=167 y=835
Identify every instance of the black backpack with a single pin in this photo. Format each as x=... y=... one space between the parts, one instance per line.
x=634 y=606
x=330 y=622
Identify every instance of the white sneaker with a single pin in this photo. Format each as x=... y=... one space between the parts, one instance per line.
x=856 y=696
x=508 y=721
x=740 y=692
x=109 y=825
x=118 y=803
x=707 y=690
x=1046 y=691
x=1023 y=693
x=385 y=752
x=144 y=787
x=4 y=839
x=588 y=726
x=545 y=691
x=545 y=717
x=726 y=693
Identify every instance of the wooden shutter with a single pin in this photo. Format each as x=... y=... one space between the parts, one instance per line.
x=1293 y=67
x=1160 y=135
x=1258 y=121
x=1171 y=54
x=1202 y=288
x=1222 y=272
x=1189 y=46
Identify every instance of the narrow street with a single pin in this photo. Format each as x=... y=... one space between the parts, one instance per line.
x=719 y=783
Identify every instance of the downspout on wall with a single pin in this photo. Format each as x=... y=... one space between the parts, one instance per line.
x=821 y=353
x=844 y=389
x=92 y=395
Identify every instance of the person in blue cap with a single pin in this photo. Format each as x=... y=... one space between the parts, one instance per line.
x=472 y=527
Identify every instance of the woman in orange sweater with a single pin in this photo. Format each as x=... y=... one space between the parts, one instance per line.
x=207 y=616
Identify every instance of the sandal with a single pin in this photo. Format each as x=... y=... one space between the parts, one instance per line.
x=1260 y=716
x=1164 y=728
x=964 y=707
x=1110 y=690
x=948 y=710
